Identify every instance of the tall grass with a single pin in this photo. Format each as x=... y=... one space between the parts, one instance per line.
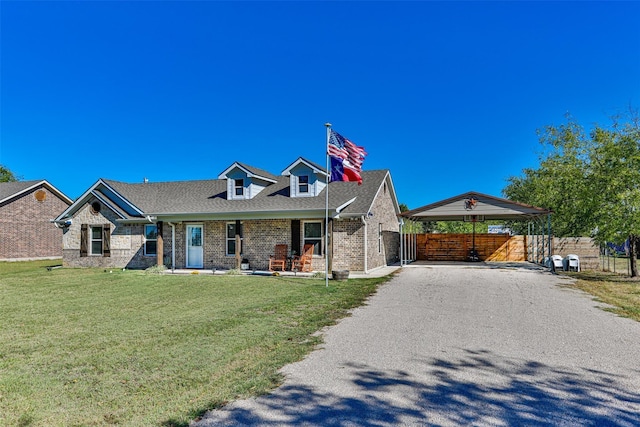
x=92 y=347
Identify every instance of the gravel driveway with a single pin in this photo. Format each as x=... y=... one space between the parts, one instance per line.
x=464 y=344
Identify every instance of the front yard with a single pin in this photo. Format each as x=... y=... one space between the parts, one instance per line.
x=89 y=347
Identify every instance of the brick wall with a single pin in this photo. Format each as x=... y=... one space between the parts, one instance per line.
x=126 y=240
x=348 y=245
x=259 y=240
x=383 y=235
x=25 y=227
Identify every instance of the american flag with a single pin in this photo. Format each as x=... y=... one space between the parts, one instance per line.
x=342 y=148
x=346 y=158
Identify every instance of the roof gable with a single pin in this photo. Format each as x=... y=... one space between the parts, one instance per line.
x=250 y=171
x=373 y=183
x=106 y=192
x=13 y=189
x=302 y=161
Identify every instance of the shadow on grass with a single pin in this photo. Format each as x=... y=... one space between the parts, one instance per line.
x=478 y=388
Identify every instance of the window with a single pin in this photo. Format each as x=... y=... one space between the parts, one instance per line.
x=150 y=239
x=232 y=229
x=239 y=186
x=313 y=236
x=96 y=240
x=303 y=184
x=380 y=238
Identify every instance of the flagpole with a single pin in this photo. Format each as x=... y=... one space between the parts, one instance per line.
x=326 y=212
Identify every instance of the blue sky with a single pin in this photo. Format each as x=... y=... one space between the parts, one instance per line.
x=447 y=95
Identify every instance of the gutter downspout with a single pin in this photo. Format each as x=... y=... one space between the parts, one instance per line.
x=173 y=246
x=366 y=252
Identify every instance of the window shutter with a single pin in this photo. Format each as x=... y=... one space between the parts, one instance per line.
x=84 y=237
x=106 y=240
x=295 y=236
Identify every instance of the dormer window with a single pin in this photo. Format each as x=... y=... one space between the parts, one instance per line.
x=245 y=182
x=239 y=187
x=306 y=179
x=303 y=184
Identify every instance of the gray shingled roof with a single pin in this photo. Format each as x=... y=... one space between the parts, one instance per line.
x=8 y=189
x=209 y=196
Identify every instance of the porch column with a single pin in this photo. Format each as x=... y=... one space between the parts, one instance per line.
x=159 y=245
x=238 y=244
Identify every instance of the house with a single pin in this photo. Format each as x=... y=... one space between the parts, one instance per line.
x=26 y=210
x=245 y=212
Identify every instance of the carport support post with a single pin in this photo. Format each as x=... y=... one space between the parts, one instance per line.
x=543 y=242
x=400 y=224
x=550 y=236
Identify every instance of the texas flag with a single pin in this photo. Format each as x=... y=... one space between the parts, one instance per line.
x=346 y=159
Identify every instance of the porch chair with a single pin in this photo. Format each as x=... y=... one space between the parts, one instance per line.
x=279 y=258
x=303 y=262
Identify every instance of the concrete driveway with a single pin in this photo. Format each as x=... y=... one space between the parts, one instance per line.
x=462 y=344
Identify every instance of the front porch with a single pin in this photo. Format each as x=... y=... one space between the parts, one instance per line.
x=376 y=272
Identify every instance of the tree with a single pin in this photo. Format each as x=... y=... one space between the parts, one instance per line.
x=591 y=181
x=6 y=175
x=412 y=227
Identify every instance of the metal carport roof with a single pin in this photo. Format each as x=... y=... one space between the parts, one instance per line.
x=473 y=207
x=482 y=206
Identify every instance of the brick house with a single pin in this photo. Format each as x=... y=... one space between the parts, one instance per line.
x=197 y=224
x=26 y=211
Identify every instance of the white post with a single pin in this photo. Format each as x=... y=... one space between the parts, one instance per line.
x=401 y=238
x=326 y=212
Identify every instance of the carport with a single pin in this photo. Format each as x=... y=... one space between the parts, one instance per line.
x=477 y=207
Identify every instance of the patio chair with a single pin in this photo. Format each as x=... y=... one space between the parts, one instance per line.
x=279 y=258
x=303 y=262
x=556 y=262
x=573 y=262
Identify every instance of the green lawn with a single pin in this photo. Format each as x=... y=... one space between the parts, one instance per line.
x=89 y=347
x=619 y=291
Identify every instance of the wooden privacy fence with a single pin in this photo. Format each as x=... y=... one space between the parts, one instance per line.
x=456 y=247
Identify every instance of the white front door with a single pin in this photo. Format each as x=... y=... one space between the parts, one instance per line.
x=195 y=254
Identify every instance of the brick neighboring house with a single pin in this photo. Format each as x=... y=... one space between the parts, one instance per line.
x=26 y=211
x=194 y=224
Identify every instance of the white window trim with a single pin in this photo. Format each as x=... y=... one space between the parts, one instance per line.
x=149 y=240
x=300 y=184
x=321 y=238
x=91 y=240
x=379 y=237
x=236 y=187
x=227 y=239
